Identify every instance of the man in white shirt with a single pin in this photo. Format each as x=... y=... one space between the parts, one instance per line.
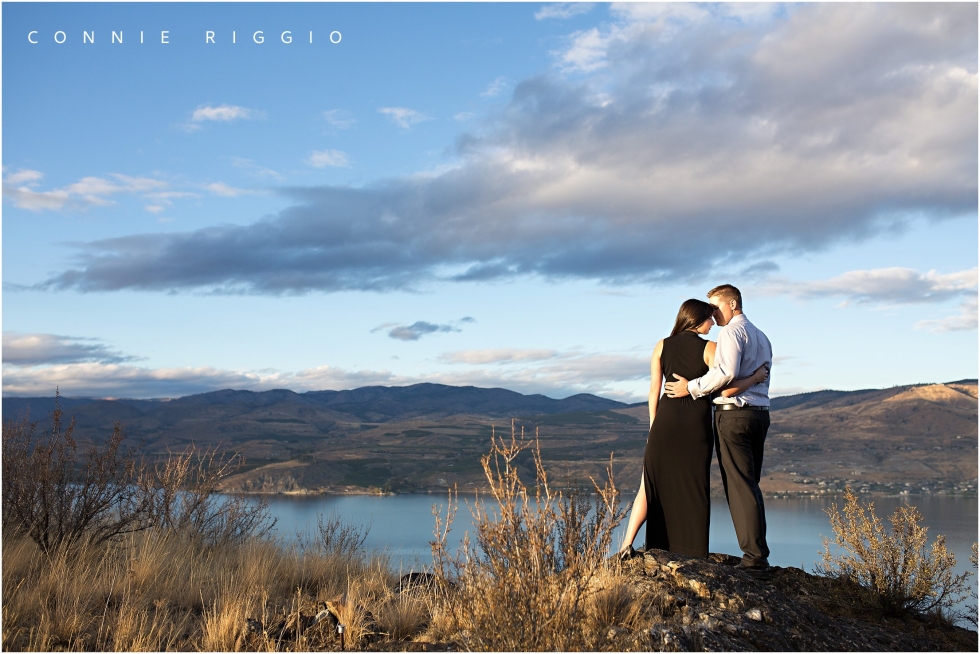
x=741 y=422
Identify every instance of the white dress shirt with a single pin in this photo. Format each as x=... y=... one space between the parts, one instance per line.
x=742 y=347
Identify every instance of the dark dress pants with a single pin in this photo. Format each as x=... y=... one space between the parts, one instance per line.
x=739 y=440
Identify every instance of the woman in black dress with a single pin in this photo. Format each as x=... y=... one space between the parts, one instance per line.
x=674 y=490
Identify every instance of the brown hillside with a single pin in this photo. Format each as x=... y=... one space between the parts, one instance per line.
x=908 y=438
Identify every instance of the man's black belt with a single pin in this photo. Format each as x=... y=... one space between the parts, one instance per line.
x=733 y=407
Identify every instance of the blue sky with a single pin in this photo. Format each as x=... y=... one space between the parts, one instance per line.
x=512 y=195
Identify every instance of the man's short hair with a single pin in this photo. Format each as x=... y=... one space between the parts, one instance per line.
x=727 y=292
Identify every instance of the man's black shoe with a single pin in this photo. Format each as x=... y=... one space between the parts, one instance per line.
x=757 y=572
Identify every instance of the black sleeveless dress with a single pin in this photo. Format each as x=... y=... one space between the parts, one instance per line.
x=678 y=457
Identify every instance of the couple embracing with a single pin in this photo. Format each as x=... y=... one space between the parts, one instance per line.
x=706 y=406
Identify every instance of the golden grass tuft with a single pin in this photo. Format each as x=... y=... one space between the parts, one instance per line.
x=223 y=625
x=402 y=616
x=614 y=602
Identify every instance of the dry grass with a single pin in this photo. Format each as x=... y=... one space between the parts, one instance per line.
x=146 y=630
x=223 y=624
x=615 y=602
x=402 y=616
x=533 y=578
x=896 y=567
x=155 y=591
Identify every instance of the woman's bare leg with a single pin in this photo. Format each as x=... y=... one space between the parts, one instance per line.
x=637 y=517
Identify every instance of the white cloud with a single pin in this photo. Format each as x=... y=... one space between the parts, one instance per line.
x=587 y=50
x=339 y=118
x=323 y=158
x=403 y=117
x=566 y=374
x=885 y=285
x=139 y=184
x=965 y=321
x=552 y=372
x=164 y=199
x=495 y=87
x=222 y=189
x=255 y=170
x=895 y=286
x=658 y=15
x=563 y=10
x=26 y=198
x=99 y=191
x=223 y=113
x=86 y=192
x=167 y=196
x=114 y=380
x=100 y=379
x=23 y=176
x=581 y=374
x=498 y=356
x=42 y=349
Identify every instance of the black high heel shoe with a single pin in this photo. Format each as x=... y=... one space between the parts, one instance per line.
x=626 y=555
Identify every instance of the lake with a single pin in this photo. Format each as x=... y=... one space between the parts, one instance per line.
x=402 y=524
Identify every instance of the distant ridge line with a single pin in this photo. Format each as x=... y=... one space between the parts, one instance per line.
x=427 y=384
x=374 y=403
x=370 y=403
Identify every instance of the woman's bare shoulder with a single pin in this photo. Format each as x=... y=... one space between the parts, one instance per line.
x=709 y=353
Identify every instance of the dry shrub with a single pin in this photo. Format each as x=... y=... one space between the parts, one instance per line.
x=896 y=567
x=183 y=497
x=971 y=610
x=526 y=584
x=341 y=539
x=59 y=496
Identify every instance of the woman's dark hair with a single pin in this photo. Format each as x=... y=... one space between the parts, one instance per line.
x=691 y=314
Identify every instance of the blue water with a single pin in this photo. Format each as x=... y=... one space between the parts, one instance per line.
x=402 y=525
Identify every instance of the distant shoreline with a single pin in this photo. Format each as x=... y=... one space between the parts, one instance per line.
x=473 y=493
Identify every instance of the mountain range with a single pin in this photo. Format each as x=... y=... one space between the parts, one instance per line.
x=429 y=436
x=375 y=403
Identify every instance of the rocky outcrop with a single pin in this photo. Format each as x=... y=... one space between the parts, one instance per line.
x=694 y=605
x=709 y=605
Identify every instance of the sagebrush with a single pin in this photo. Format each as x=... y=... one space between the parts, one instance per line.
x=897 y=567
x=528 y=582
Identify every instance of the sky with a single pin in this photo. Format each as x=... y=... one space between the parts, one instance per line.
x=520 y=195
